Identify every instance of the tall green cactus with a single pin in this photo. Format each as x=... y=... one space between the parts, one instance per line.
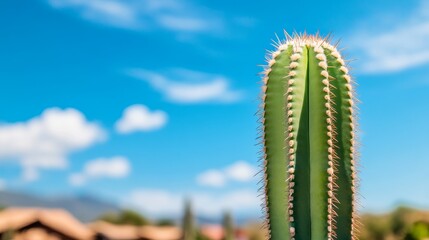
x=309 y=144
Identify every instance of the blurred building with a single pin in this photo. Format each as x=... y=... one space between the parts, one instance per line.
x=57 y=224
x=241 y=234
x=115 y=232
x=43 y=224
x=130 y=232
x=160 y=233
x=212 y=231
x=217 y=232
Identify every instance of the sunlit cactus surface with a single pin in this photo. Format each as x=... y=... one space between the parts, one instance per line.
x=309 y=149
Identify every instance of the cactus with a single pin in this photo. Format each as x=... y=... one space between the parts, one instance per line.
x=188 y=223
x=309 y=151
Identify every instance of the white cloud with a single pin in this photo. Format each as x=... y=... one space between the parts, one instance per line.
x=2 y=184
x=45 y=141
x=182 y=23
x=241 y=201
x=389 y=48
x=140 y=118
x=30 y=174
x=240 y=171
x=108 y=12
x=77 y=179
x=157 y=202
x=175 y=15
x=114 y=167
x=160 y=202
x=187 y=86
x=212 y=178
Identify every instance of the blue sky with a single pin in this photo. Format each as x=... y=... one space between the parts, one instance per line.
x=146 y=102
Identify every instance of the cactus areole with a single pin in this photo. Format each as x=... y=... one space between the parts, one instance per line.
x=309 y=146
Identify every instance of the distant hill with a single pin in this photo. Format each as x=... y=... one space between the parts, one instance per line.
x=85 y=208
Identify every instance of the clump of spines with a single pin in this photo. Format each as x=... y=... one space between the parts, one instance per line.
x=319 y=46
x=330 y=133
x=352 y=110
x=297 y=53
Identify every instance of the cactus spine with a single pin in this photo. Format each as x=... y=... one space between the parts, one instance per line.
x=309 y=145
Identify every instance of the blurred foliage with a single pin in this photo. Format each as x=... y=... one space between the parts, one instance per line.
x=8 y=235
x=256 y=231
x=165 y=222
x=228 y=226
x=200 y=236
x=126 y=217
x=419 y=230
x=401 y=224
x=188 y=223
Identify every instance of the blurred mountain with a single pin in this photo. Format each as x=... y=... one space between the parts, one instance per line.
x=239 y=220
x=86 y=208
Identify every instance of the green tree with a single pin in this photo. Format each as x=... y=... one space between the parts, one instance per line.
x=228 y=226
x=165 y=222
x=188 y=222
x=125 y=217
x=200 y=236
x=375 y=227
x=399 y=222
x=419 y=231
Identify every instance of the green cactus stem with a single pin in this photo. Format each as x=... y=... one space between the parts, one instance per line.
x=309 y=145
